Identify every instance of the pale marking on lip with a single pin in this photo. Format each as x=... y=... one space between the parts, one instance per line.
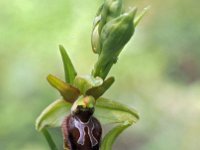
x=81 y=128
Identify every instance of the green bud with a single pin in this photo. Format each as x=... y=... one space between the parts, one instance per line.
x=111 y=9
x=114 y=36
x=117 y=33
x=98 y=15
x=108 y=11
x=95 y=34
x=115 y=10
x=95 y=39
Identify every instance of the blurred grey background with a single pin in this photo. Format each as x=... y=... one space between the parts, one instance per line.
x=158 y=73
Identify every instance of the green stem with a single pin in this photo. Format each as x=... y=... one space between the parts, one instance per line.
x=103 y=66
x=49 y=139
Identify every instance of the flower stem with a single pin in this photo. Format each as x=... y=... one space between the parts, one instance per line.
x=49 y=139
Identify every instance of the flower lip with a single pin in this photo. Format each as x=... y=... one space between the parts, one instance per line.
x=84 y=114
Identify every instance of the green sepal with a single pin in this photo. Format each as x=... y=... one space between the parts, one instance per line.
x=107 y=112
x=98 y=91
x=110 y=112
x=83 y=83
x=70 y=72
x=112 y=135
x=68 y=92
x=53 y=115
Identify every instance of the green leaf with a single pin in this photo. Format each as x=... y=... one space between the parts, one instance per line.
x=111 y=136
x=70 y=72
x=53 y=115
x=98 y=91
x=68 y=92
x=109 y=112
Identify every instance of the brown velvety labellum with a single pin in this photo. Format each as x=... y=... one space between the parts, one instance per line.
x=79 y=135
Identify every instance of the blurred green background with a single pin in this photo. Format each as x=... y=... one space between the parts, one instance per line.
x=158 y=73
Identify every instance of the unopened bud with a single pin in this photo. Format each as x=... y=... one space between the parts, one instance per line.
x=108 y=11
x=111 y=9
x=115 y=10
x=95 y=40
x=114 y=36
x=117 y=33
